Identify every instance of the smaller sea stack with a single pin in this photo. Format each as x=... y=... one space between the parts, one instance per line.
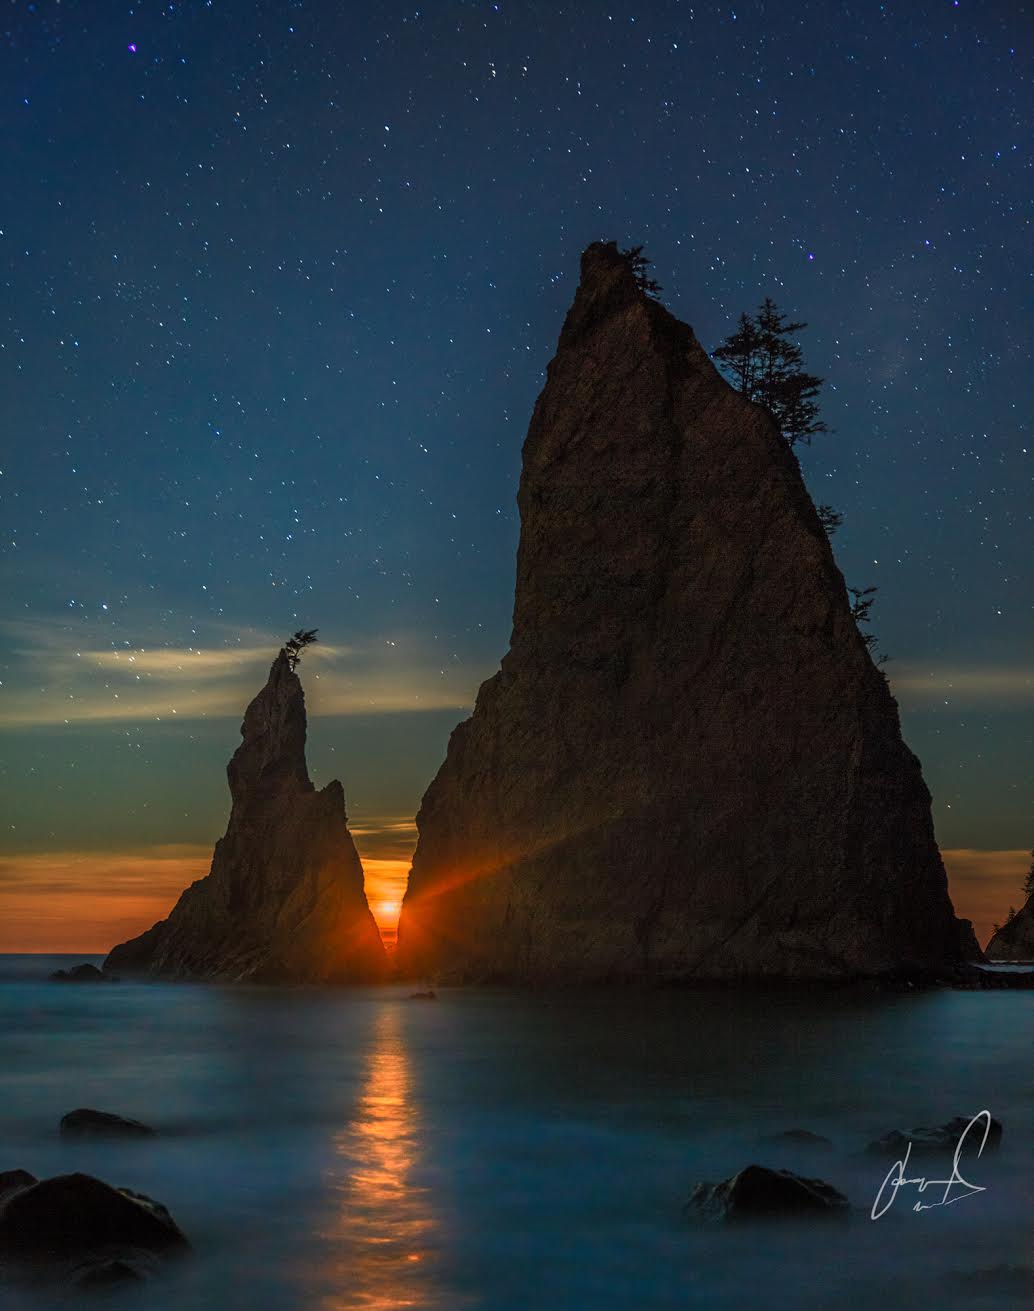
x=284 y=901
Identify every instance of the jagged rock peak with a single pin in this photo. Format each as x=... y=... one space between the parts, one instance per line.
x=271 y=755
x=284 y=900
x=687 y=765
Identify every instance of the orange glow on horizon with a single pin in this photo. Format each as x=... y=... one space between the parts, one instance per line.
x=86 y=901
x=385 y=878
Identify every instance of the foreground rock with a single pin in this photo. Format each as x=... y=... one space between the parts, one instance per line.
x=87 y=1123
x=284 y=901
x=1015 y=940
x=77 y=1227
x=688 y=765
x=13 y=1181
x=939 y=1141
x=757 y=1193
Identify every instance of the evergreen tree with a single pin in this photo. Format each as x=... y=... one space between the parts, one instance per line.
x=830 y=519
x=861 y=604
x=767 y=366
x=294 y=646
x=1028 y=882
x=638 y=263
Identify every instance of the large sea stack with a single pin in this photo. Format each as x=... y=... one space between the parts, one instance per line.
x=284 y=900
x=688 y=765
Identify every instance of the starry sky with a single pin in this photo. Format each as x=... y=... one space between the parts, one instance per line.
x=280 y=282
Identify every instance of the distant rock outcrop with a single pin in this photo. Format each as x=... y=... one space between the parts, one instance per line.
x=688 y=764
x=980 y=1135
x=284 y=900
x=80 y=974
x=88 y=1123
x=1015 y=939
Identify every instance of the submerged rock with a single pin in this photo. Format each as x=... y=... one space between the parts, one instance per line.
x=105 y=1273
x=87 y=1123
x=284 y=901
x=688 y=765
x=940 y=1140
x=757 y=1193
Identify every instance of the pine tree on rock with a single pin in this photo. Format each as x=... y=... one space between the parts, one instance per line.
x=766 y=365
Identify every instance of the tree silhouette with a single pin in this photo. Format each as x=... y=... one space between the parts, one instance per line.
x=1028 y=882
x=830 y=519
x=860 y=607
x=767 y=366
x=638 y=263
x=294 y=646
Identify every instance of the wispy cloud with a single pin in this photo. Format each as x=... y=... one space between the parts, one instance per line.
x=958 y=685
x=89 y=900
x=54 y=678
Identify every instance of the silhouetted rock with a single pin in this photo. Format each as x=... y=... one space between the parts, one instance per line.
x=78 y=1216
x=284 y=900
x=1015 y=940
x=688 y=765
x=757 y=1193
x=12 y=1181
x=430 y=995
x=79 y=974
x=105 y=1273
x=939 y=1141
x=86 y=1123
x=795 y=1138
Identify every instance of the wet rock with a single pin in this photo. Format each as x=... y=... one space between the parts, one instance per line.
x=75 y=1217
x=87 y=1123
x=102 y=1274
x=757 y=1193
x=938 y=1141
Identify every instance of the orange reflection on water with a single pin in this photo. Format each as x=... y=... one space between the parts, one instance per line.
x=385 y=1220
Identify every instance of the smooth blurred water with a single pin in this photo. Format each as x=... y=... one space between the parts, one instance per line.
x=521 y=1150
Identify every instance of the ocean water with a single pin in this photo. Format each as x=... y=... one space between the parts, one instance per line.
x=523 y=1150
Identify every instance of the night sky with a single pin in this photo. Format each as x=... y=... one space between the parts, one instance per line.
x=280 y=283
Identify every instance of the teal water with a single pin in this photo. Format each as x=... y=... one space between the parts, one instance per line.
x=521 y=1151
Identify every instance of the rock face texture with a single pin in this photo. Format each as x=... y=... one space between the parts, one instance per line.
x=284 y=900
x=758 y=1193
x=688 y=765
x=1015 y=940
